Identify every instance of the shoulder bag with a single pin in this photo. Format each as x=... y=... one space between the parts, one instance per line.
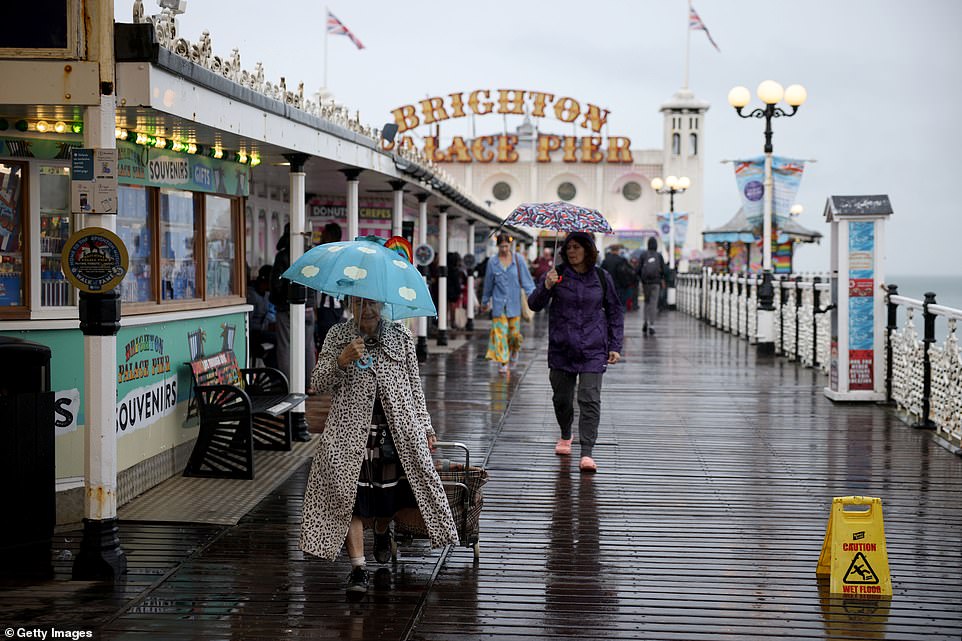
x=527 y=314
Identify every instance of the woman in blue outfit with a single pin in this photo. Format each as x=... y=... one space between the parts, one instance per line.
x=585 y=335
x=504 y=278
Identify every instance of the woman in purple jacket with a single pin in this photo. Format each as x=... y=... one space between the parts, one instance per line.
x=585 y=334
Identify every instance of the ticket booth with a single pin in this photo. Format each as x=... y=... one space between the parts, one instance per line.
x=857 y=370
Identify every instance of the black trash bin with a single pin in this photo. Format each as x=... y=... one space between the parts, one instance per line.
x=27 y=469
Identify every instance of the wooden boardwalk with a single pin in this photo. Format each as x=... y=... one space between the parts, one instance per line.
x=705 y=521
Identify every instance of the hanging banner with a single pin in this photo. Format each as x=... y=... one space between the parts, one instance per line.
x=750 y=178
x=681 y=228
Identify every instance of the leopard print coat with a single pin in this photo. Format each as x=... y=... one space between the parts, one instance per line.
x=332 y=485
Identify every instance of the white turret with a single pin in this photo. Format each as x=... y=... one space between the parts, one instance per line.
x=683 y=149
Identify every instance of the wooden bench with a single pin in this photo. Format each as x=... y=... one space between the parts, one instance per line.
x=240 y=409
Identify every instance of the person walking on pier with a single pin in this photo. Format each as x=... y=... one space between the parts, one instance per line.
x=373 y=462
x=504 y=280
x=585 y=334
x=651 y=273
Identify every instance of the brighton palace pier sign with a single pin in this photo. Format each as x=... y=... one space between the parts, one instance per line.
x=502 y=148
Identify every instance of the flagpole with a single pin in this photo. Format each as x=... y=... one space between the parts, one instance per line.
x=687 y=44
x=327 y=13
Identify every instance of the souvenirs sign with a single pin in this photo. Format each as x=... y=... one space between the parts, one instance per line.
x=502 y=148
x=94 y=260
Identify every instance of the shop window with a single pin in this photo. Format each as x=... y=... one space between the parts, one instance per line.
x=220 y=237
x=133 y=227
x=55 y=229
x=177 y=233
x=12 y=221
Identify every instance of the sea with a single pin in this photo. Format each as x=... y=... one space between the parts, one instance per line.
x=947 y=289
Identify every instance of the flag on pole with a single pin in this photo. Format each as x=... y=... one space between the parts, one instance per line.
x=694 y=24
x=337 y=27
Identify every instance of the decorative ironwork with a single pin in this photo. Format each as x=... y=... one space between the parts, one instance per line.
x=946 y=361
x=201 y=54
x=907 y=362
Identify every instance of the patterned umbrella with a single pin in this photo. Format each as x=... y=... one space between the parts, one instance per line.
x=559 y=216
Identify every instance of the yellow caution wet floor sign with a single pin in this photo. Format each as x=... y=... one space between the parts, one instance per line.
x=853 y=551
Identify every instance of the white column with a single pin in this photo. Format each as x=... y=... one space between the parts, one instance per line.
x=298 y=324
x=352 y=204
x=766 y=312
x=397 y=213
x=671 y=293
x=100 y=554
x=100 y=375
x=471 y=300
x=422 y=238
x=256 y=260
x=443 y=279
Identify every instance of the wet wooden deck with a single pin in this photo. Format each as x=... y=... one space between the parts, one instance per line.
x=704 y=522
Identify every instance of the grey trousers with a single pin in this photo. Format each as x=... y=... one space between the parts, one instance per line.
x=651 y=290
x=589 y=405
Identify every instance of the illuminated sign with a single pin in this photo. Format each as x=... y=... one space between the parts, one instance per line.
x=502 y=148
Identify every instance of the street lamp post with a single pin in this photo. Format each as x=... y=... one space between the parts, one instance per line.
x=770 y=93
x=671 y=185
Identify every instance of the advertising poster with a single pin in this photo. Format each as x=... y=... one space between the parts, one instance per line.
x=861 y=305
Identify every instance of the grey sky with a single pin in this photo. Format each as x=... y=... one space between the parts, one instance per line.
x=883 y=80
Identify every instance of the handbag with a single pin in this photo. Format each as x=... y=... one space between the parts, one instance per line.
x=527 y=314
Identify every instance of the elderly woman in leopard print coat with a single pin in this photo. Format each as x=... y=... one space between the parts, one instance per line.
x=329 y=500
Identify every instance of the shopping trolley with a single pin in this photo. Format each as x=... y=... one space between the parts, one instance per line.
x=462 y=485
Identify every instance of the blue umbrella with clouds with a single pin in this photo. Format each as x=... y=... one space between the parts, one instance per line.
x=367 y=269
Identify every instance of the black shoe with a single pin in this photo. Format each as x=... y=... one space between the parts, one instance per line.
x=644 y=328
x=651 y=331
x=357 y=580
x=382 y=579
x=382 y=546
x=303 y=437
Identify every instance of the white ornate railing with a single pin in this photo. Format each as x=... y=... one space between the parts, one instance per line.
x=923 y=379
x=926 y=378
x=730 y=302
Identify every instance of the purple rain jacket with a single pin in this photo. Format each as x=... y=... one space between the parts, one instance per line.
x=580 y=333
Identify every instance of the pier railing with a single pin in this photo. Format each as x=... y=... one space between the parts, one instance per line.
x=923 y=379
x=729 y=302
